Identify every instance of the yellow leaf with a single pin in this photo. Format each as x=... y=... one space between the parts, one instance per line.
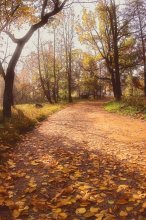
x=32 y=184
x=99 y=216
x=44 y=184
x=80 y=211
x=121 y=187
x=64 y=202
x=129 y=209
x=111 y=202
x=123 y=179
x=144 y=205
x=123 y=214
x=34 y=163
x=78 y=197
x=16 y=213
x=94 y=210
x=103 y=188
x=63 y=215
x=84 y=187
x=11 y=164
x=88 y=214
x=58 y=210
x=27 y=177
x=30 y=190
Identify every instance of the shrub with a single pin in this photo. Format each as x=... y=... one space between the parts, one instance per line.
x=129 y=106
x=24 y=118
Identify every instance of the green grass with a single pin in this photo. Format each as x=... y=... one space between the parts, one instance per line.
x=24 y=118
x=132 y=106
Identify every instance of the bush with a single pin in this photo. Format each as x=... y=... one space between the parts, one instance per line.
x=135 y=101
x=24 y=118
x=134 y=106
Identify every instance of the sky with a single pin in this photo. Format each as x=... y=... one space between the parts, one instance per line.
x=45 y=35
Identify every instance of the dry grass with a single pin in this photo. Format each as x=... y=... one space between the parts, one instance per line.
x=24 y=118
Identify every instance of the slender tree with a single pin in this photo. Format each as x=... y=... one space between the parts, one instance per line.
x=46 y=81
x=68 y=36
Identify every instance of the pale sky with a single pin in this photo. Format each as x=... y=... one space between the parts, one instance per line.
x=45 y=35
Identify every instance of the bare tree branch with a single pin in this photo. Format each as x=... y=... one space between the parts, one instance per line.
x=12 y=37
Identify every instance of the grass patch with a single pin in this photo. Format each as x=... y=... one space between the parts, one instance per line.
x=132 y=106
x=24 y=118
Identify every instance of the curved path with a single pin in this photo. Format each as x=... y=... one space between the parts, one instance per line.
x=81 y=163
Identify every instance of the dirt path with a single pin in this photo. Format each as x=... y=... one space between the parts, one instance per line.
x=82 y=163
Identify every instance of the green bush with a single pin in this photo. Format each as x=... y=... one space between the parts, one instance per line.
x=129 y=106
x=135 y=101
x=113 y=106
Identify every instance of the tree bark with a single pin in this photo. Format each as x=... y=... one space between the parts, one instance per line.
x=54 y=69
x=143 y=48
x=48 y=93
x=117 y=74
x=114 y=30
x=69 y=77
x=9 y=81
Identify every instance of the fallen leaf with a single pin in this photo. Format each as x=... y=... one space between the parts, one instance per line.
x=144 y=205
x=16 y=213
x=58 y=210
x=34 y=163
x=80 y=211
x=3 y=190
x=122 y=201
x=111 y=202
x=123 y=214
x=11 y=163
x=63 y=215
x=99 y=216
x=129 y=208
x=94 y=210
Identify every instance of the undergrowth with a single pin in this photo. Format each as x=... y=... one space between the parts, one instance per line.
x=133 y=106
x=24 y=118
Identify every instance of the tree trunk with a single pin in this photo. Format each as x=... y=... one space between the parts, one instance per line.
x=143 y=47
x=9 y=81
x=117 y=73
x=113 y=85
x=48 y=93
x=143 y=55
x=8 y=94
x=57 y=88
x=69 y=88
x=54 y=69
x=113 y=21
x=69 y=77
x=111 y=71
x=145 y=79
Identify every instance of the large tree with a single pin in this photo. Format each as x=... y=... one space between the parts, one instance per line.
x=105 y=30
x=42 y=12
x=139 y=29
